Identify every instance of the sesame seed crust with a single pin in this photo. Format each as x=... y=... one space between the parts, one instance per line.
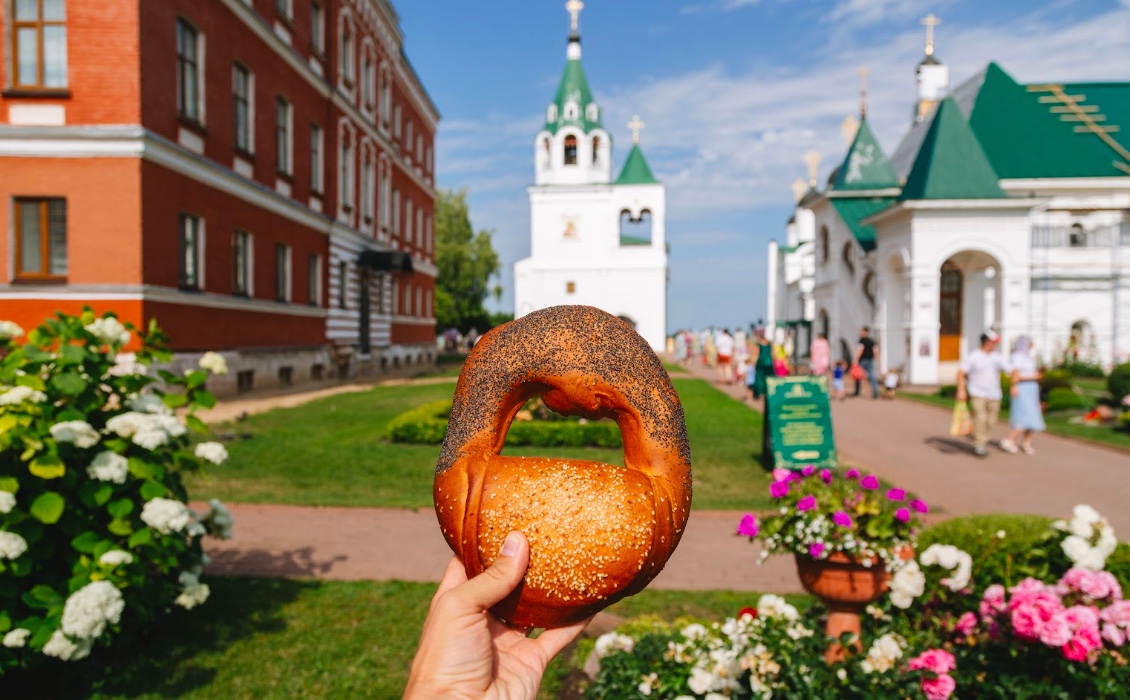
x=597 y=532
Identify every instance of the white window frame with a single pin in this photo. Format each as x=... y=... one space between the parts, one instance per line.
x=285 y=9
x=314 y=269
x=284 y=287
x=347 y=50
x=384 y=209
x=407 y=220
x=318 y=28
x=385 y=98
x=317 y=158
x=250 y=147
x=287 y=149
x=395 y=228
x=200 y=116
x=249 y=263
x=420 y=227
x=367 y=187
x=198 y=283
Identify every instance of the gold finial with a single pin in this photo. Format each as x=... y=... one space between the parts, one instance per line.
x=800 y=188
x=574 y=7
x=930 y=21
x=636 y=125
x=812 y=160
x=863 y=92
x=848 y=127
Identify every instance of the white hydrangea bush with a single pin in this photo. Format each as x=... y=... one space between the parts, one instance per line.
x=96 y=537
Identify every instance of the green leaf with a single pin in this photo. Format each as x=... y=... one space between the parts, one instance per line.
x=31 y=381
x=205 y=399
x=142 y=469
x=35 y=354
x=7 y=422
x=120 y=527
x=140 y=538
x=10 y=484
x=196 y=378
x=174 y=400
x=73 y=354
x=196 y=424
x=43 y=597
x=153 y=489
x=48 y=507
x=5 y=622
x=47 y=466
x=69 y=384
x=102 y=494
x=86 y=542
x=120 y=508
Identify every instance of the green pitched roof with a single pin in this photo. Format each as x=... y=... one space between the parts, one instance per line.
x=1034 y=131
x=865 y=167
x=950 y=164
x=574 y=86
x=636 y=170
x=855 y=209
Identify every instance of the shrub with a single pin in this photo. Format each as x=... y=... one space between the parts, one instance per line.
x=1082 y=368
x=1054 y=379
x=1119 y=382
x=1060 y=399
x=947 y=391
x=427 y=425
x=423 y=425
x=97 y=541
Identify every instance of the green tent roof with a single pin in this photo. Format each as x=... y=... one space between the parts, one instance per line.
x=865 y=166
x=574 y=86
x=853 y=210
x=636 y=170
x=950 y=164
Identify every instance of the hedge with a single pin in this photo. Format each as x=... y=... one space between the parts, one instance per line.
x=1061 y=399
x=1119 y=382
x=427 y=425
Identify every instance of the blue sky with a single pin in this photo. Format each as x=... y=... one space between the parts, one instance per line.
x=734 y=93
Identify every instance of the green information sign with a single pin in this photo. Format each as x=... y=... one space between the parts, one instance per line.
x=798 y=423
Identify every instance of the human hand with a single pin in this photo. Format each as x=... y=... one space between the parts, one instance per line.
x=961 y=395
x=466 y=652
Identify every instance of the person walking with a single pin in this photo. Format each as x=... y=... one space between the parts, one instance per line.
x=979 y=382
x=763 y=366
x=866 y=354
x=819 y=355
x=1024 y=415
x=724 y=342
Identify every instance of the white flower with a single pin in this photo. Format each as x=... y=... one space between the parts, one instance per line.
x=842 y=674
x=770 y=605
x=108 y=466
x=613 y=641
x=1000 y=534
x=150 y=439
x=109 y=331
x=165 y=515
x=19 y=394
x=88 y=609
x=16 y=638
x=194 y=593
x=7 y=501
x=126 y=424
x=11 y=545
x=78 y=432
x=63 y=648
x=9 y=330
x=700 y=680
x=694 y=631
x=115 y=557
x=907 y=584
x=883 y=654
x=213 y=452
x=950 y=557
x=147 y=403
x=645 y=685
x=220 y=522
x=214 y=362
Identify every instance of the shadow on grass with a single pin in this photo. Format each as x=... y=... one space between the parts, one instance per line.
x=172 y=659
x=296 y=563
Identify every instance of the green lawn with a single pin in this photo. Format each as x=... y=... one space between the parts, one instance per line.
x=332 y=452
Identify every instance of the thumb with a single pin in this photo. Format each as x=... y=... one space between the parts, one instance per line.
x=502 y=577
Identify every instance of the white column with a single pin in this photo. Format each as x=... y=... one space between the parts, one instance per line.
x=923 y=326
x=771 y=282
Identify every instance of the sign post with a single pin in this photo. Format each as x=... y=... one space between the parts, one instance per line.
x=798 y=424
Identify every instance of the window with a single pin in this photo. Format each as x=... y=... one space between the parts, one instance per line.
x=191 y=245
x=317 y=28
x=285 y=9
x=570 y=150
x=188 y=71
x=419 y=227
x=396 y=121
x=595 y=148
x=347 y=176
x=849 y=257
x=368 y=80
x=39 y=44
x=869 y=286
x=825 y=244
x=396 y=212
x=342 y=283
x=1077 y=237
x=386 y=95
x=408 y=135
x=386 y=197
x=241 y=263
x=283 y=116
x=570 y=287
x=282 y=272
x=243 y=104
x=347 y=53
x=367 y=190
x=314 y=268
x=317 y=146
x=407 y=220
x=41 y=240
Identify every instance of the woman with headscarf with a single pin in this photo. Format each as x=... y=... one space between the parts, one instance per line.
x=1025 y=416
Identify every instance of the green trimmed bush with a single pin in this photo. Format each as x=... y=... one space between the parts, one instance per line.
x=424 y=424
x=1119 y=382
x=1055 y=379
x=1061 y=399
x=947 y=391
x=427 y=425
x=1082 y=368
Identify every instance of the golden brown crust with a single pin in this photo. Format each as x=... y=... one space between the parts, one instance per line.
x=597 y=532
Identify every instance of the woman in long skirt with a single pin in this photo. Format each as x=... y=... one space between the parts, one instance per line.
x=1025 y=416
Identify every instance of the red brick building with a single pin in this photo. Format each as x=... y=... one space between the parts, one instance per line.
x=257 y=175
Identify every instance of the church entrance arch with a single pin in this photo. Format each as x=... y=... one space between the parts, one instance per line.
x=968 y=301
x=949 y=314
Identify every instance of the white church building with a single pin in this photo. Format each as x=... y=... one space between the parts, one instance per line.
x=594 y=240
x=1005 y=206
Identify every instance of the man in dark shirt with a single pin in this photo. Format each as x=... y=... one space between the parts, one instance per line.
x=866 y=355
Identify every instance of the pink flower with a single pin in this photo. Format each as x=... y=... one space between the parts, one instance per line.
x=1055 y=632
x=851 y=474
x=1095 y=585
x=793 y=476
x=815 y=549
x=1117 y=613
x=920 y=505
x=936 y=660
x=1114 y=634
x=842 y=519
x=806 y=503
x=1033 y=614
x=939 y=688
x=809 y=470
x=870 y=482
x=967 y=624
x=781 y=474
x=902 y=514
x=779 y=489
x=826 y=476
x=748 y=526
x=1075 y=650
x=896 y=494
x=992 y=602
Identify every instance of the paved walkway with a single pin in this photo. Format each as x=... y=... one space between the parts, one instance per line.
x=906 y=442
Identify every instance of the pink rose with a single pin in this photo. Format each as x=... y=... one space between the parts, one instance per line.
x=1117 y=613
x=842 y=519
x=967 y=624
x=920 y=505
x=939 y=688
x=851 y=474
x=870 y=482
x=902 y=515
x=1074 y=650
x=1095 y=585
x=1055 y=632
x=816 y=549
x=896 y=494
x=936 y=660
x=1114 y=634
x=992 y=602
x=781 y=474
x=809 y=470
x=806 y=503
x=1031 y=616
x=779 y=489
x=826 y=476
x=748 y=526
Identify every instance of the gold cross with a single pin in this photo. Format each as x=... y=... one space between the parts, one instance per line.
x=863 y=92
x=930 y=21
x=574 y=7
x=636 y=125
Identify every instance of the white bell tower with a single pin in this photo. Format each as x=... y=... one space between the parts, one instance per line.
x=932 y=76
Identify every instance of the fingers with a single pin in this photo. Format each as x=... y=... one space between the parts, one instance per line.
x=553 y=641
x=502 y=577
x=454 y=575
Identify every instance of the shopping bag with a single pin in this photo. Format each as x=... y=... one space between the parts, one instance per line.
x=857 y=373
x=961 y=424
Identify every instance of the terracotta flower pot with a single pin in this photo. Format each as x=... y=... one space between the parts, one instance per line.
x=845 y=586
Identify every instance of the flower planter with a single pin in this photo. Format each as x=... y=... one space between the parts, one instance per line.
x=845 y=586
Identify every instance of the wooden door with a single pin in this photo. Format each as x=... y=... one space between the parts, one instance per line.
x=949 y=315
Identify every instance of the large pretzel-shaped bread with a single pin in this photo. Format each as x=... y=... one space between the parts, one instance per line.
x=597 y=532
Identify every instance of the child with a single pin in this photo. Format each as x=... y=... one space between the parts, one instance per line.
x=838 y=391
x=890 y=383
x=751 y=380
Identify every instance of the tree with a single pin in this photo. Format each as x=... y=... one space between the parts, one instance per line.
x=465 y=261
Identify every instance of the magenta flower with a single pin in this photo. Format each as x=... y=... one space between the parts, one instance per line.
x=815 y=549
x=902 y=515
x=806 y=503
x=748 y=526
x=842 y=519
x=939 y=688
x=781 y=474
x=826 y=476
x=896 y=494
x=793 y=476
x=936 y=660
x=779 y=489
x=919 y=505
x=870 y=482
x=967 y=624
x=807 y=471
x=852 y=473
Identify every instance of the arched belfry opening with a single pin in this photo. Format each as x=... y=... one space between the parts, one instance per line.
x=570 y=150
x=635 y=230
